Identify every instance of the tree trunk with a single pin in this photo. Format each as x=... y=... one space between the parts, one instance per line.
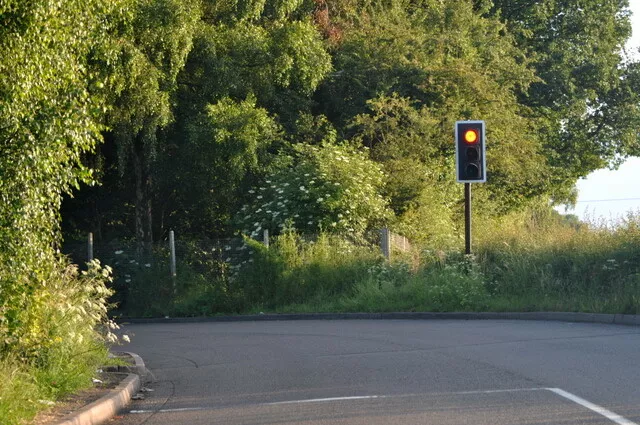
x=143 y=202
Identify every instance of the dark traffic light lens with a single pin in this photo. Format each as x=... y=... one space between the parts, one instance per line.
x=473 y=154
x=472 y=171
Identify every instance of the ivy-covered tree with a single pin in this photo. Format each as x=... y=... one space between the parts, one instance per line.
x=52 y=101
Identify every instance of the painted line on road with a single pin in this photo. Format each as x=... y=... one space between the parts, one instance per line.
x=181 y=409
x=325 y=400
x=614 y=417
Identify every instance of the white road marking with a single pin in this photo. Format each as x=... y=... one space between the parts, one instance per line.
x=182 y=409
x=324 y=400
x=614 y=417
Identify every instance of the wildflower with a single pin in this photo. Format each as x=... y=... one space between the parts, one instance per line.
x=259 y=197
x=252 y=191
x=127 y=280
x=320 y=199
x=147 y=265
x=126 y=338
x=302 y=188
x=119 y=252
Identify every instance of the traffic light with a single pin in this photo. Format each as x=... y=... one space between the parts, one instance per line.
x=470 y=152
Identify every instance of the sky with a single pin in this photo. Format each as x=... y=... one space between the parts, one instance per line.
x=607 y=194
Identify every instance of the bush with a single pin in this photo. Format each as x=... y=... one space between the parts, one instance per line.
x=60 y=343
x=294 y=271
x=329 y=188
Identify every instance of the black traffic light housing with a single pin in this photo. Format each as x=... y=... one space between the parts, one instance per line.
x=470 y=152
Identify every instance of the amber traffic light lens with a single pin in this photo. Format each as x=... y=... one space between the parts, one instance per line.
x=471 y=136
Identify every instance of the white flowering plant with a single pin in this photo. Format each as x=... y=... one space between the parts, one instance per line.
x=328 y=187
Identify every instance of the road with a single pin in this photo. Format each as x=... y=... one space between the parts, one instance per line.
x=372 y=372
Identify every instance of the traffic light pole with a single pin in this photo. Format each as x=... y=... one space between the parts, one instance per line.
x=467 y=218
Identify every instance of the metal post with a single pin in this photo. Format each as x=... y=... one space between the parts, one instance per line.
x=172 y=248
x=467 y=218
x=265 y=237
x=90 y=247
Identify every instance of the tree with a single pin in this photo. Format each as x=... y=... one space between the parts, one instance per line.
x=245 y=85
x=405 y=75
x=154 y=44
x=582 y=95
x=52 y=100
x=228 y=149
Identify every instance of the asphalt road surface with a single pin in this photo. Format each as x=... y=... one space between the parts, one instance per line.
x=371 y=372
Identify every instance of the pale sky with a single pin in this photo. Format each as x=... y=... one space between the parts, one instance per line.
x=606 y=194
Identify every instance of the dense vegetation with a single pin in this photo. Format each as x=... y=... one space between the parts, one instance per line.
x=128 y=118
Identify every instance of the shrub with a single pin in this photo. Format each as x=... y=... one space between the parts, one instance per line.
x=329 y=188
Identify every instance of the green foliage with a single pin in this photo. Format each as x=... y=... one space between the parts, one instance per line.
x=449 y=287
x=582 y=94
x=52 y=103
x=542 y=256
x=294 y=271
x=333 y=188
x=59 y=343
x=50 y=110
x=228 y=147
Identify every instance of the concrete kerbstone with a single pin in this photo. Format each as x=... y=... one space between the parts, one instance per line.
x=109 y=405
x=620 y=319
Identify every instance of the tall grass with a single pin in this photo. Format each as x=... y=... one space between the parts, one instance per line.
x=591 y=267
x=535 y=261
x=61 y=344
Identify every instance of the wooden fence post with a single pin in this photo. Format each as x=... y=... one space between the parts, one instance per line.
x=90 y=247
x=172 y=248
x=385 y=243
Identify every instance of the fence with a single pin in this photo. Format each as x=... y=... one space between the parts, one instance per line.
x=229 y=251
x=391 y=242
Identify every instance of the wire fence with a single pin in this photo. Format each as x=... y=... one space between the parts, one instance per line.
x=217 y=256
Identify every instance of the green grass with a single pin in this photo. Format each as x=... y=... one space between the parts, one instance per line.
x=527 y=262
x=59 y=346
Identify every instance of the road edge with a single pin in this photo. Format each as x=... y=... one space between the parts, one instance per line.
x=619 y=319
x=108 y=406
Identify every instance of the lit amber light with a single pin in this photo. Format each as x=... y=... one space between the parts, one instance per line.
x=471 y=136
